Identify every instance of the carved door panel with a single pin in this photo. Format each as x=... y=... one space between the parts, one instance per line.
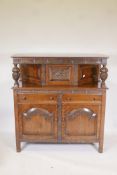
x=59 y=74
x=80 y=121
x=38 y=121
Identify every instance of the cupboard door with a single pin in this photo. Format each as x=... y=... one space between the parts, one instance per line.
x=80 y=122
x=38 y=121
x=59 y=74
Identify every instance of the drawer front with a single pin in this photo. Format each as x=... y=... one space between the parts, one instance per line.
x=37 y=98
x=76 y=98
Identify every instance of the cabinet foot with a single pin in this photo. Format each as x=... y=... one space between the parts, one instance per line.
x=18 y=146
x=100 y=149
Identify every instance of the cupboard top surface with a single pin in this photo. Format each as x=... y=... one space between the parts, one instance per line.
x=81 y=59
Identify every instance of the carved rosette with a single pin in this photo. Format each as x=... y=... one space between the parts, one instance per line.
x=16 y=75
x=103 y=74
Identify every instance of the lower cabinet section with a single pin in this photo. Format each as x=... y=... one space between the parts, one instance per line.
x=57 y=118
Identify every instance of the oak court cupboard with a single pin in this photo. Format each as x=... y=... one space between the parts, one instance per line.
x=59 y=99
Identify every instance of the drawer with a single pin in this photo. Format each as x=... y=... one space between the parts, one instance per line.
x=37 y=98
x=81 y=98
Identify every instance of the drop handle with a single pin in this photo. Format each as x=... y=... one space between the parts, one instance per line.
x=55 y=119
x=68 y=99
x=51 y=98
x=24 y=98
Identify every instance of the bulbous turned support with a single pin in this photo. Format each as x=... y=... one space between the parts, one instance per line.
x=16 y=75
x=103 y=74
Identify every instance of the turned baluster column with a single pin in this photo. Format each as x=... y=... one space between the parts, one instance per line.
x=103 y=74
x=16 y=75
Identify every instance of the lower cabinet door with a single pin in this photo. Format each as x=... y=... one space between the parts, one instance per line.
x=80 y=122
x=38 y=122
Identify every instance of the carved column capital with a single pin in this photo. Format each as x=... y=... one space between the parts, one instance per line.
x=16 y=75
x=103 y=74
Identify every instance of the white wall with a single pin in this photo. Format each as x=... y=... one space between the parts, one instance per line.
x=64 y=27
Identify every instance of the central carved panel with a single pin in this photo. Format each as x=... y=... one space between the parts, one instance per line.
x=59 y=73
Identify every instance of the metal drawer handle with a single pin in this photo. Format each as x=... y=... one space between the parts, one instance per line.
x=24 y=98
x=51 y=98
x=68 y=99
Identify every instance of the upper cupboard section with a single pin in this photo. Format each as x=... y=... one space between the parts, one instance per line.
x=36 y=75
x=81 y=71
